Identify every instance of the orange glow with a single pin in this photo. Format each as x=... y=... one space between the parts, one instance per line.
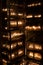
x=37 y=56
x=8 y=46
x=28 y=27
x=13 y=45
x=30 y=55
x=16 y=34
x=33 y=27
x=20 y=52
x=20 y=43
x=20 y=22
x=20 y=14
x=6 y=28
x=4 y=61
x=38 y=47
x=30 y=46
x=5 y=18
x=37 y=16
x=4 y=53
x=32 y=63
x=13 y=55
x=13 y=23
x=12 y=13
x=4 y=9
x=6 y=36
x=34 y=4
x=29 y=16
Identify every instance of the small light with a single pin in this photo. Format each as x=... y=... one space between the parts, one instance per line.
x=6 y=28
x=28 y=27
x=20 y=22
x=20 y=43
x=29 y=5
x=20 y=52
x=8 y=46
x=37 y=56
x=13 y=45
x=32 y=4
x=12 y=13
x=4 y=45
x=30 y=55
x=33 y=63
x=38 y=47
x=5 y=36
x=13 y=55
x=16 y=34
x=39 y=3
x=5 y=18
x=30 y=46
x=4 y=9
x=37 y=16
x=4 y=53
x=20 y=14
x=4 y=61
x=29 y=16
x=13 y=23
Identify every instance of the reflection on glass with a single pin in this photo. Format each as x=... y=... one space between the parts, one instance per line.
x=37 y=56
